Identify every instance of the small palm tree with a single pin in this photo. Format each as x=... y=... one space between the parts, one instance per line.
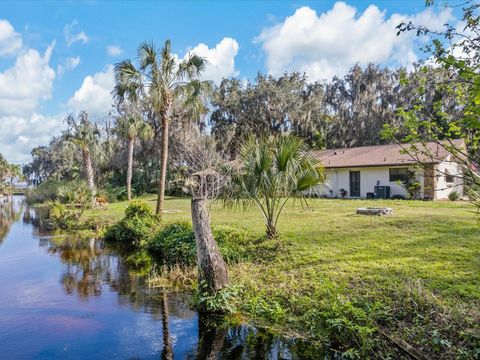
x=84 y=134
x=272 y=171
x=131 y=128
x=160 y=81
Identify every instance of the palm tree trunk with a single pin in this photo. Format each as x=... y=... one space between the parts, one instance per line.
x=163 y=167
x=87 y=161
x=130 y=168
x=271 y=229
x=211 y=266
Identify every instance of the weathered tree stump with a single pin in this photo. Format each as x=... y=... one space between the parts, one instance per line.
x=211 y=266
x=375 y=211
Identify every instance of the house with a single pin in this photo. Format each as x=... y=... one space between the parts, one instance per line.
x=368 y=171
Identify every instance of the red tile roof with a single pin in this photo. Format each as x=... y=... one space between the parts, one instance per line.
x=384 y=155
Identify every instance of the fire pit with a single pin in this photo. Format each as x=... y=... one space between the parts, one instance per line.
x=375 y=211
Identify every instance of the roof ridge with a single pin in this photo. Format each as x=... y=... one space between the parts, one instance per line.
x=384 y=145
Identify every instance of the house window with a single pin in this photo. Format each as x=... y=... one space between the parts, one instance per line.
x=449 y=178
x=398 y=174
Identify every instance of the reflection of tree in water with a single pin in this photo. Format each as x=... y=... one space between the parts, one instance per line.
x=90 y=266
x=10 y=211
x=38 y=219
x=245 y=342
x=167 y=352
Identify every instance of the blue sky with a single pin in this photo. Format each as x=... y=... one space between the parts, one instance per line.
x=57 y=57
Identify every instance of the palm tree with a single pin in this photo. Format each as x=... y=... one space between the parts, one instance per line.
x=160 y=80
x=84 y=134
x=131 y=128
x=272 y=171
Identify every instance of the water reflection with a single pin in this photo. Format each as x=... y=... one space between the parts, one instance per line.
x=9 y=213
x=84 y=302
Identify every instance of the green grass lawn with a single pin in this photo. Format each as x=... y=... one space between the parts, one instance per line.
x=417 y=272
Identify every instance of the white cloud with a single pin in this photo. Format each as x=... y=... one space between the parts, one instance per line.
x=68 y=65
x=114 y=51
x=71 y=37
x=22 y=88
x=328 y=44
x=221 y=59
x=26 y=83
x=19 y=134
x=10 y=40
x=434 y=21
x=94 y=95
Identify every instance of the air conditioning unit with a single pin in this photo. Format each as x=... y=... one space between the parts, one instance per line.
x=381 y=192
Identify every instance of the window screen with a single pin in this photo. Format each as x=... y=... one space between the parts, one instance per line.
x=398 y=174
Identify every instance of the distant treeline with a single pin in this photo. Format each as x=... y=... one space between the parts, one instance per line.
x=343 y=112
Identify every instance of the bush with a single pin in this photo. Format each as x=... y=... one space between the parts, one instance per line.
x=454 y=195
x=234 y=244
x=137 y=226
x=46 y=191
x=175 y=245
x=60 y=216
x=74 y=193
x=397 y=197
x=114 y=193
x=66 y=192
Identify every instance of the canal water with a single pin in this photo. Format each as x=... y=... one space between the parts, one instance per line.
x=66 y=297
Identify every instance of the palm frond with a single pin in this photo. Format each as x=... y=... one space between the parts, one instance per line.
x=191 y=67
x=128 y=81
x=147 y=55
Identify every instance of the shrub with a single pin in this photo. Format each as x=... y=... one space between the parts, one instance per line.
x=137 y=226
x=233 y=243
x=60 y=216
x=454 y=195
x=114 y=193
x=74 y=193
x=46 y=191
x=175 y=244
x=66 y=192
x=221 y=302
x=139 y=208
x=411 y=185
x=397 y=197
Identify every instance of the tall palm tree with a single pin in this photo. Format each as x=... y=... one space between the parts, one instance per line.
x=84 y=134
x=161 y=80
x=131 y=128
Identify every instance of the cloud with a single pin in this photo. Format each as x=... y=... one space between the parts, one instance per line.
x=70 y=37
x=22 y=88
x=328 y=44
x=94 y=95
x=10 y=40
x=434 y=21
x=68 y=65
x=26 y=83
x=114 y=51
x=19 y=134
x=221 y=59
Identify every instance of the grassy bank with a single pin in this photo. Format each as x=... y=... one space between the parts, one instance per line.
x=338 y=276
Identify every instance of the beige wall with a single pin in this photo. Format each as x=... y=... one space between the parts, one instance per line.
x=443 y=189
x=340 y=178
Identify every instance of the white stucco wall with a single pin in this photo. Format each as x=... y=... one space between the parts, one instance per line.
x=337 y=179
x=443 y=189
